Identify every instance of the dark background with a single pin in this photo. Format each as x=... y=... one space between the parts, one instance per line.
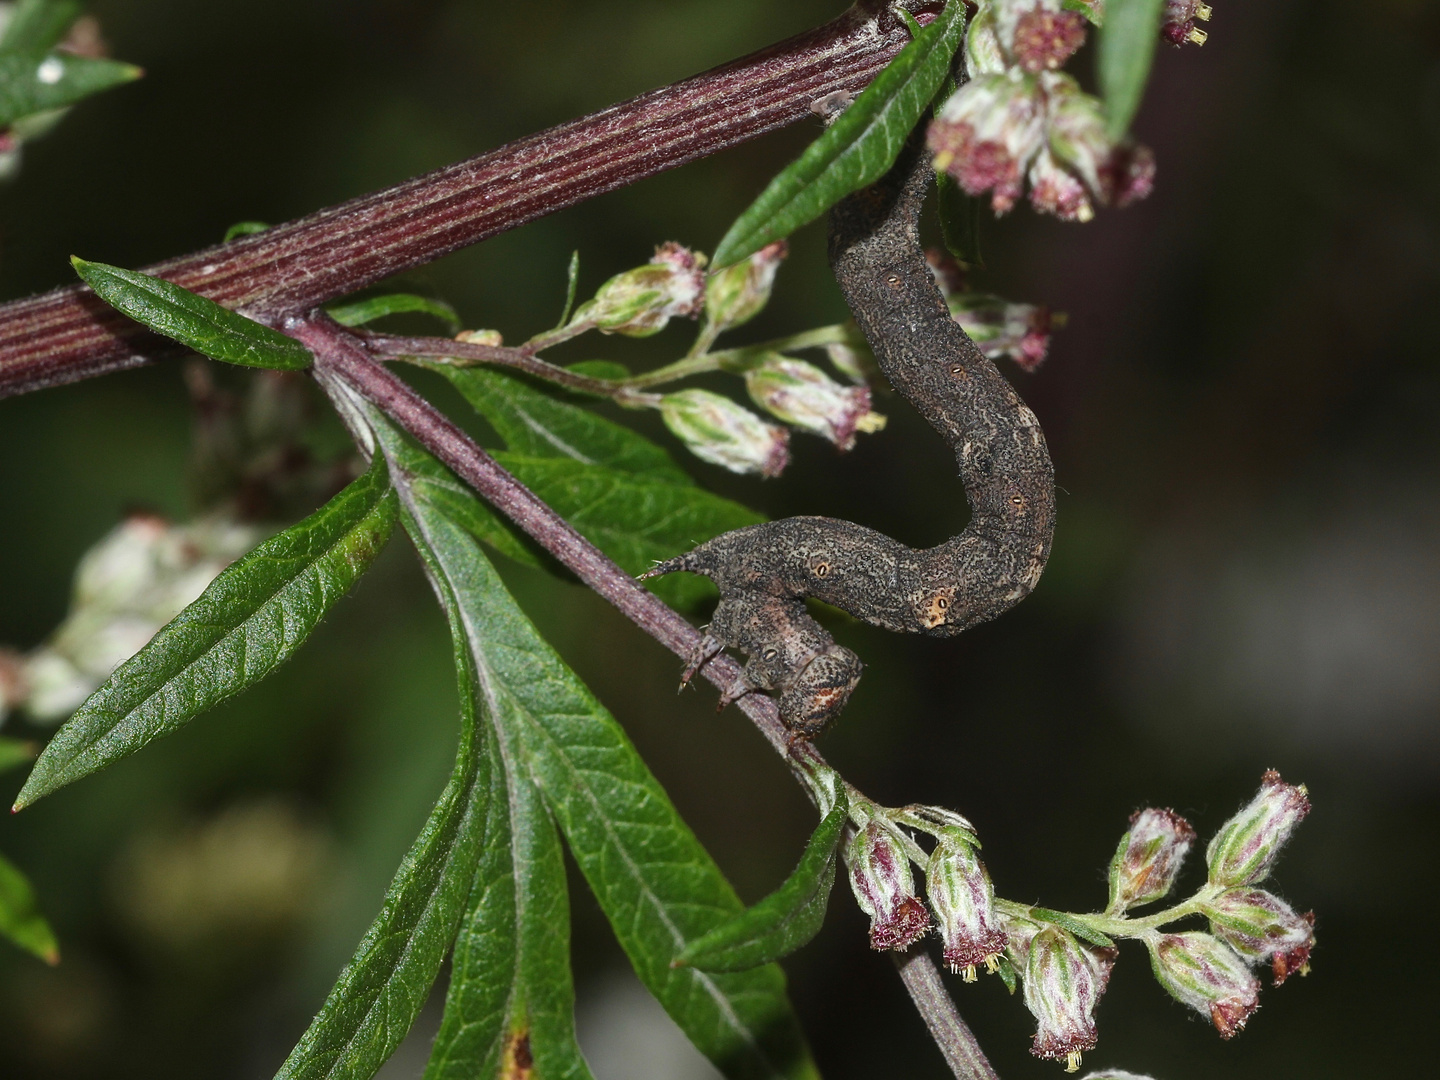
x=1243 y=413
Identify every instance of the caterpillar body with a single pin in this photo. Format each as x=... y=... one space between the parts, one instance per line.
x=765 y=572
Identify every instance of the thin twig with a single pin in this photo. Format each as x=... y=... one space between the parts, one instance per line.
x=341 y=354
x=69 y=334
x=502 y=356
x=954 y=1037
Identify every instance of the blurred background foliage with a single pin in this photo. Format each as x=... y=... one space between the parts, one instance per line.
x=1243 y=413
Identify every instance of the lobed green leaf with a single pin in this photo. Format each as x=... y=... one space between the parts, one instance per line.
x=386 y=983
x=857 y=148
x=377 y=307
x=786 y=919
x=249 y=620
x=960 y=216
x=1127 y=47
x=192 y=320
x=656 y=884
x=20 y=918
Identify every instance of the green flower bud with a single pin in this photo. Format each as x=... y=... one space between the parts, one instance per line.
x=1246 y=847
x=1063 y=984
x=799 y=393
x=885 y=888
x=963 y=898
x=738 y=293
x=717 y=430
x=1148 y=859
x=640 y=302
x=1201 y=971
x=1260 y=926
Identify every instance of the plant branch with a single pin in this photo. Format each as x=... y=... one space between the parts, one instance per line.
x=954 y=1037
x=69 y=334
x=340 y=354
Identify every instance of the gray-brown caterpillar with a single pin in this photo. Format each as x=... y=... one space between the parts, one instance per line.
x=765 y=572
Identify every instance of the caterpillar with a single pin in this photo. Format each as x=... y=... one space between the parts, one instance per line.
x=765 y=572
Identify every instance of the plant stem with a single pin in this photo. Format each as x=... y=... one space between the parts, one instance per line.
x=499 y=355
x=340 y=354
x=1112 y=926
x=69 y=334
x=735 y=359
x=954 y=1037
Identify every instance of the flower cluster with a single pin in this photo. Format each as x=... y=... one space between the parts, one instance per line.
x=998 y=327
x=1177 y=22
x=640 y=302
x=127 y=587
x=1020 y=119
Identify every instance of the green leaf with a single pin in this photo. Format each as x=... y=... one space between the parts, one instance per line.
x=1126 y=49
x=960 y=216
x=535 y=424
x=386 y=983
x=572 y=280
x=635 y=519
x=618 y=489
x=1007 y=973
x=36 y=26
x=511 y=995
x=364 y=311
x=1068 y=922
x=192 y=320
x=654 y=881
x=20 y=918
x=31 y=84
x=441 y=486
x=786 y=919
x=15 y=752
x=249 y=620
x=856 y=149
x=244 y=228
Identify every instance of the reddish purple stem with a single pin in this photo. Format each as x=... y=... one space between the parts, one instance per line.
x=69 y=334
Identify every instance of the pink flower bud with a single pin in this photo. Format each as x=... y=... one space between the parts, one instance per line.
x=988 y=132
x=984 y=55
x=640 y=302
x=1045 y=37
x=1177 y=22
x=962 y=898
x=1000 y=328
x=1203 y=972
x=802 y=395
x=885 y=889
x=738 y=293
x=717 y=430
x=1063 y=984
x=1148 y=859
x=1260 y=926
x=1056 y=191
x=1246 y=847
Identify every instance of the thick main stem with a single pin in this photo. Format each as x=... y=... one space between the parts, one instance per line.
x=340 y=354
x=69 y=334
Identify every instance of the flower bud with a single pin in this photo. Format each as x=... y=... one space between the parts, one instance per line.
x=988 y=132
x=717 y=430
x=1177 y=22
x=799 y=393
x=737 y=294
x=1148 y=859
x=963 y=901
x=493 y=338
x=1045 y=37
x=885 y=889
x=1203 y=972
x=1063 y=983
x=1246 y=847
x=1000 y=328
x=1019 y=933
x=984 y=55
x=640 y=302
x=1056 y=191
x=1260 y=926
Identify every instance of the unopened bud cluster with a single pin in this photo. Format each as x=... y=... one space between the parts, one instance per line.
x=1020 y=120
x=640 y=302
x=127 y=587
